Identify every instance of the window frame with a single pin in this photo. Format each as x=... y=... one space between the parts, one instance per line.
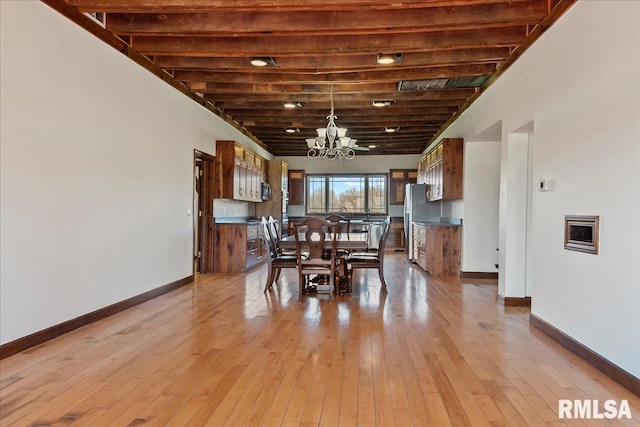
x=327 y=180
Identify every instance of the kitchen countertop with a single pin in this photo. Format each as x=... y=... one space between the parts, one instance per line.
x=444 y=222
x=358 y=220
x=236 y=220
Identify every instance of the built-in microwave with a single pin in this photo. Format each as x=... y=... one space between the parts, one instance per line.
x=265 y=193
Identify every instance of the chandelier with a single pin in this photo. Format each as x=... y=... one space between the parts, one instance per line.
x=331 y=142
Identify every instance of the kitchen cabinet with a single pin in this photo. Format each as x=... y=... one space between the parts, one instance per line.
x=398 y=179
x=238 y=246
x=276 y=206
x=437 y=248
x=296 y=187
x=419 y=245
x=441 y=170
x=240 y=172
x=396 y=238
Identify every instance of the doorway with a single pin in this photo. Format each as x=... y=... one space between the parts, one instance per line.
x=203 y=190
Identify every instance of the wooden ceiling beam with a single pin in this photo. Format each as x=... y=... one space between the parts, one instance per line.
x=330 y=45
x=343 y=121
x=187 y=6
x=341 y=112
x=362 y=95
x=435 y=103
x=285 y=21
x=353 y=77
x=296 y=91
x=342 y=63
x=271 y=133
x=400 y=122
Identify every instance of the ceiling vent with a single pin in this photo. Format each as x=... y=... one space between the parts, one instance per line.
x=456 y=82
x=422 y=84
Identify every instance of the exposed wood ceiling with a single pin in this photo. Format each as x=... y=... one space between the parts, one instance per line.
x=450 y=50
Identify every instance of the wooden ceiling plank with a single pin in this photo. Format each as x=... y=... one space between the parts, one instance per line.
x=327 y=44
x=435 y=103
x=187 y=6
x=436 y=119
x=435 y=94
x=283 y=21
x=356 y=78
x=339 y=63
x=345 y=112
x=344 y=120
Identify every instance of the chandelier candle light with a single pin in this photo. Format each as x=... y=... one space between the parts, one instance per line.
x=331 y=142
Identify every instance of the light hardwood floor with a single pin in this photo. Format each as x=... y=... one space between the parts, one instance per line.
x=434 y=351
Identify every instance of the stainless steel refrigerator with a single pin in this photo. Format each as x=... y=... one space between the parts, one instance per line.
x=416 y=208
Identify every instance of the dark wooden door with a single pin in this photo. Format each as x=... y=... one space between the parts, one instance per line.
x=204 y=188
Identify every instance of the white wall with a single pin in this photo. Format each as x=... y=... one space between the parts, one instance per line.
x=96 y=172
x=580 y=85
x=481 y=201
x=359 y=164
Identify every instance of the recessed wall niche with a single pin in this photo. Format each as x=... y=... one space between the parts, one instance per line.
x=582 y=233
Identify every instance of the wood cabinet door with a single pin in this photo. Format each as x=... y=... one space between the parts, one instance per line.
x=398 y=179
x=452 y=165
x=238 y=179
x=296 y=187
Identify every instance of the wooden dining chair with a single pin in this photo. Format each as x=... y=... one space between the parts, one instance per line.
x=311 y=235
x=275 y=261
x=372 y=259
x=276 y=236
x=343 y=221
x=344 y=226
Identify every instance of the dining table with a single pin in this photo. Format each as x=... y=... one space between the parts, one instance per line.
x=344 y=241
x=350 y=242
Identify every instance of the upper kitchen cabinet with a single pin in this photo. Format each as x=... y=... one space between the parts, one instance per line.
x=239 y=172
x=441 y=170
x=296 y=187
x=398 y=179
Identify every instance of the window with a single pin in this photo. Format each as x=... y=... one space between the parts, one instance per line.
x=352 y=194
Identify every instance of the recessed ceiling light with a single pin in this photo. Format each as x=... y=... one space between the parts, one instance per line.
x=292 y=105
x=292 y=130
x=262 y=61
x=389 y=58
x=372 y=146
x=381 y=103
x=391 y=130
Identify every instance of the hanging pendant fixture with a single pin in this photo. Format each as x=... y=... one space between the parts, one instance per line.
x=332 y=142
